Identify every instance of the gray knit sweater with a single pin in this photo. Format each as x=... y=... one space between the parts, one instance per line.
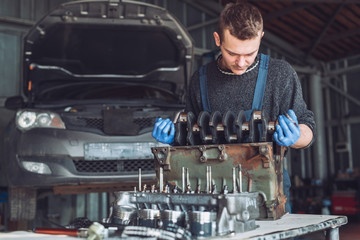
x=235 y=92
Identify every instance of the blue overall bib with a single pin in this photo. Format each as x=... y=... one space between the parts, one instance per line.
x=256 y=105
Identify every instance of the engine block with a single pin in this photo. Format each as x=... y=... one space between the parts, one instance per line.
x=203 y=215
x=220 y=176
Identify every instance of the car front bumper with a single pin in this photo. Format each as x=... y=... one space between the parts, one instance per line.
x=63 y=152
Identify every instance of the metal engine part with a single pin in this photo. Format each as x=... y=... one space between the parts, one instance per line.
x=217 y=142
x=214 y=128
x=201 y=214
x=208 y=188
x=247 y=167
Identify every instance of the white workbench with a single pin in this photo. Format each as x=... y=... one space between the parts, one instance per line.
x=290 y=225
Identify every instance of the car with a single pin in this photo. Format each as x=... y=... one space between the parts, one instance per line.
x=95 y=76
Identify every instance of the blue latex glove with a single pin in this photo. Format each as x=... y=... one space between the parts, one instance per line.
x=287 y=132
x=164 y=130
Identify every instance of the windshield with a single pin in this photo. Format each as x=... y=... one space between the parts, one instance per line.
x=106 y=49
x=104 y=91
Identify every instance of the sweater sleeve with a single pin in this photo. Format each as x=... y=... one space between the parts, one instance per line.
x=292 y=98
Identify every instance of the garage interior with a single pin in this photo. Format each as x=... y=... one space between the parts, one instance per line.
x=319 y=38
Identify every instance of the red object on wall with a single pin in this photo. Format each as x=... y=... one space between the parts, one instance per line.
x=345 y=203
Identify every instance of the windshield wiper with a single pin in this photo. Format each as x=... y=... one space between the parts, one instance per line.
x=67 y=72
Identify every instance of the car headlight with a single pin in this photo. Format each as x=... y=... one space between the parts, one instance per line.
x=36 y=167
x=27 y=119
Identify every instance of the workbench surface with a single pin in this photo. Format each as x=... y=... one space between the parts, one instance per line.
x=290 y=225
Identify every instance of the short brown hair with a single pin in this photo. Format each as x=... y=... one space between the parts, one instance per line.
x=243 y=20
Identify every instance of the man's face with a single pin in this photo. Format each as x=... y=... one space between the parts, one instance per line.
x=237 y=54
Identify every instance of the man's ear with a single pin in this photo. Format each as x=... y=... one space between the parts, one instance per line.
x=217 y=39
x=262 y=34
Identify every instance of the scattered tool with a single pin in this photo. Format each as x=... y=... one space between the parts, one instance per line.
x=81 y=232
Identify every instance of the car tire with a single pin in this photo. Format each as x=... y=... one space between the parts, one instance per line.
x=22 y=202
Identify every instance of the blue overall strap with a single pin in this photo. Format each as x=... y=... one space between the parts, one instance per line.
x=260 y=83
x=203 y=89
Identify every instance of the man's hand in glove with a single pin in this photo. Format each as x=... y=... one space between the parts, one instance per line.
x=287 y=131
x=164 y=130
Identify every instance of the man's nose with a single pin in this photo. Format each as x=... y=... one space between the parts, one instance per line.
x=240 y=61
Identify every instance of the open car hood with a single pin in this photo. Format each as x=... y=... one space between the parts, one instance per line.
x=108 y=40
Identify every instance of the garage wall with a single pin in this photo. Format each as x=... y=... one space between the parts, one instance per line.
x=27 y=9
x=9 y=73
x=344 y=109
x=354 y=111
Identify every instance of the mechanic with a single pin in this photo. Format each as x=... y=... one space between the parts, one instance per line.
x=242 y=79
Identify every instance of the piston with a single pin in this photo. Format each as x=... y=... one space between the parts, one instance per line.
x=149 y=217
x=202 y=224
x=125 y=215
x=172 y=217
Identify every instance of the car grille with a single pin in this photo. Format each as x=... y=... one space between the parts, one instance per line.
x=144 y=122
x=114 y=166
x=93 y=123
x=98 y=123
